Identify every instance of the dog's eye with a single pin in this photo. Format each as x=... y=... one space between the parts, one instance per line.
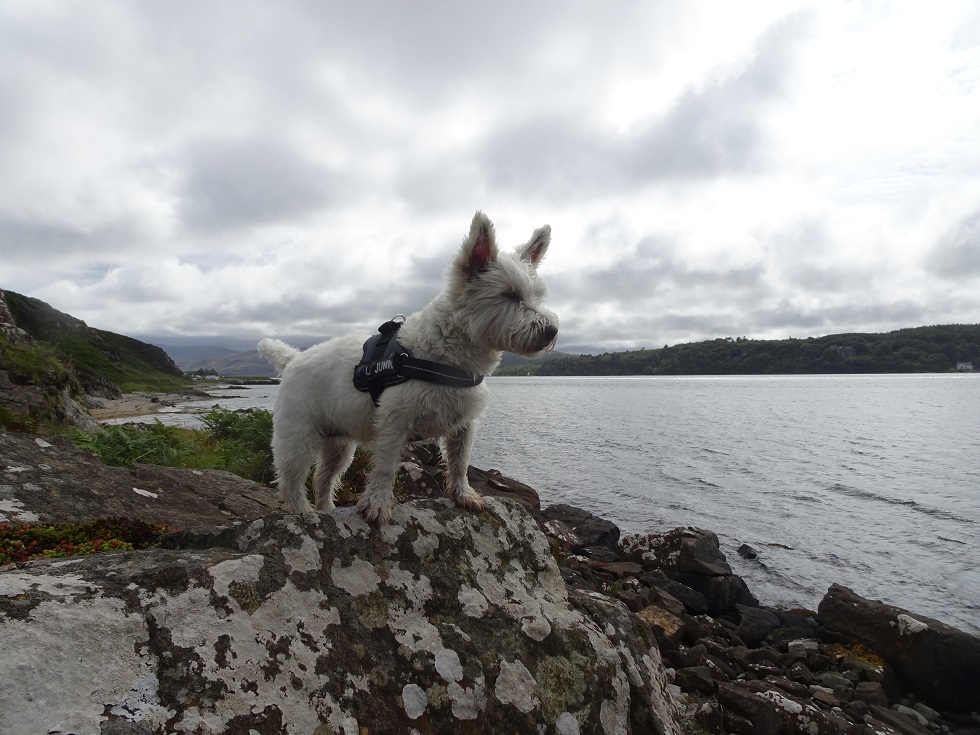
x=512 y=296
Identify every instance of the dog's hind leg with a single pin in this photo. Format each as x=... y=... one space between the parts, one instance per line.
x=335 y=457
x=293 y=460
x=378 y=498
x=458 y=446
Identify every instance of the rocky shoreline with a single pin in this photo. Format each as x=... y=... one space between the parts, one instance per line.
x=719 y=663
x=852 y=666
x=130 y=405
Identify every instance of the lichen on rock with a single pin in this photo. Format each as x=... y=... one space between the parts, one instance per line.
x=321 y=623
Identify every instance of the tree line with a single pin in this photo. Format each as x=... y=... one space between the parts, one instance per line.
x=938 y=348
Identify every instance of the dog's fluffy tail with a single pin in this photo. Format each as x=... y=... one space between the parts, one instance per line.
x=277 y=352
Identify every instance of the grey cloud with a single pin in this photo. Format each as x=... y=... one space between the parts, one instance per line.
x=372 y=298
x=639 y=279
x=876 y=316
x=789 y=317
x=814 y=276
x=24 y=240
x=718 y=129
x=710 y=131
x=422 y=52
x=648 y=330
x=294 y=307
x=957 y=256
x=803 y=254
x=230 y=185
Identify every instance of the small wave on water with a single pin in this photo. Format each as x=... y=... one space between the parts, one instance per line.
x=854 y=492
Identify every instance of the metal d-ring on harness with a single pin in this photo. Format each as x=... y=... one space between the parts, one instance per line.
x=386 y=362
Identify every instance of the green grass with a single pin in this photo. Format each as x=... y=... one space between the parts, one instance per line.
x=233 y=441
x=154 y=384
x=20 y=543
x=39 y=365
x=12 y=421
x=34 y=363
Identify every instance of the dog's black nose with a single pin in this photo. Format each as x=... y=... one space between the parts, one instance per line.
x=550 y=332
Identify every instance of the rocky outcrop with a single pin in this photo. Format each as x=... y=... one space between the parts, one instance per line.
x=53 y=481
x=224 y=627
x=8 y=327
x=935 y=661
x=442 y=622
x=23 y=402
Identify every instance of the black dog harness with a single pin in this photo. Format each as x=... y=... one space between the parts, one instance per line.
x=386 y=362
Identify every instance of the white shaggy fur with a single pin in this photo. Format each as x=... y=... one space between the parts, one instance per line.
x=492 y=303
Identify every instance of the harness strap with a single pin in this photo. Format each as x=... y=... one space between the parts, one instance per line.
x=385 y=362
x=435 y=372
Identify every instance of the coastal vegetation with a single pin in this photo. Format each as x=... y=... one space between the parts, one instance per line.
x=941 y=348
x=38 y=365
x=232 y=441
x=20 y=543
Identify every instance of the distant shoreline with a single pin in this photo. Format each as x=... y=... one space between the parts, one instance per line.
x=144 y=403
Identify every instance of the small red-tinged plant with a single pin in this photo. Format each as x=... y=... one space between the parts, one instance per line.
x=19 y=543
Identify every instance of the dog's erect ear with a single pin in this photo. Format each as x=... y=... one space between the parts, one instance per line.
x=534 y=249
x=479 y=249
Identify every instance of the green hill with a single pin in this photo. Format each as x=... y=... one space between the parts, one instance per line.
x=104 y=362
x=915 y=350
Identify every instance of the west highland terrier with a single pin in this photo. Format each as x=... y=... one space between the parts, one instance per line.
x=492 y=303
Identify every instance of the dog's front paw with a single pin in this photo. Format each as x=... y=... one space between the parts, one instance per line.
x=469 y=499
x=374 y=510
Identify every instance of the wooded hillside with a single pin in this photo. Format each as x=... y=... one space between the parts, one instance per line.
x=915 y=350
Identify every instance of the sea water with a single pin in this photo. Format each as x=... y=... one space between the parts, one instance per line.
x=869 y=481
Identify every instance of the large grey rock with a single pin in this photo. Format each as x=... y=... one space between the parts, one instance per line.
x=935 y=661
x=441 y=622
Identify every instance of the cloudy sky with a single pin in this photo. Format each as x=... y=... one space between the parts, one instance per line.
x=188 y=171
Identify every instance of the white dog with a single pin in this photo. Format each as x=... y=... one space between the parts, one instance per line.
x=492 y=303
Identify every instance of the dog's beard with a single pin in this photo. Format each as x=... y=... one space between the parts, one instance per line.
x=532 y=343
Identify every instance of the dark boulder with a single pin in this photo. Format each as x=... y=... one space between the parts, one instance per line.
x=590 y=529
x=722 y=592
x=771 y=710
x=761 y=712
x=934 y=661
x=755 y=624
x=693 y=601
x=691 y=557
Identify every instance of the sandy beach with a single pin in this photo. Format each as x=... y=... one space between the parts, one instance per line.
x=142 y=404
